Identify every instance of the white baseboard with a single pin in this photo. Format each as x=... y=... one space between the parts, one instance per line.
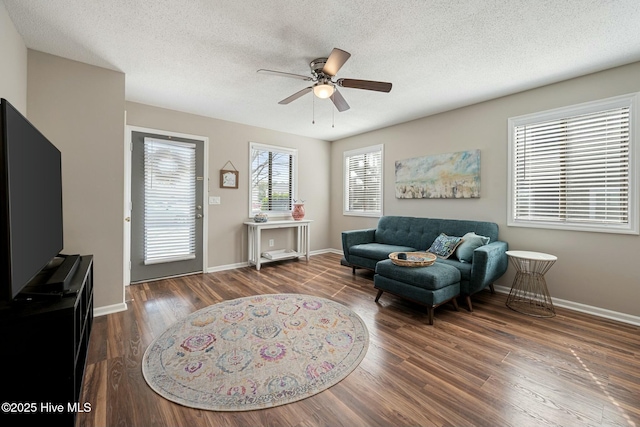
x=326 y=251
x=227 y=267
x=108 y=309
x=588 y=309
x=246 y=264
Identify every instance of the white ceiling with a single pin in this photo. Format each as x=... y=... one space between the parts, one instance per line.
x=201 y=56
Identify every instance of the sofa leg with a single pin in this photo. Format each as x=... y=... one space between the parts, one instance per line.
x=354 y=270
x=455 y=303
x=468 y=298
x=378 y=296
x=493 y=290
x=430 y=311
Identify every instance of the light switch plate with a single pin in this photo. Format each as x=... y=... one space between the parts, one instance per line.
x=214 y=200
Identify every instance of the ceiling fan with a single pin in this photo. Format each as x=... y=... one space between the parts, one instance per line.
x=323 y=73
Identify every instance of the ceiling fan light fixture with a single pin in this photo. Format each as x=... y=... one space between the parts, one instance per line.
x=325 y=84
x=323 y=91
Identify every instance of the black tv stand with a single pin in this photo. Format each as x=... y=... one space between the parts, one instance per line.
x=48 y=339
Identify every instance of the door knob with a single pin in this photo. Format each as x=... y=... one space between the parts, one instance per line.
x=199 y=216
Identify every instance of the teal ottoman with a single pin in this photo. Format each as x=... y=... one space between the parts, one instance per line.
x=431 y=286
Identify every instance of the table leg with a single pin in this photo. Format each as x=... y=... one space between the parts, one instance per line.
x=250 y=243
x=258 y=245
x=307 y=241
x=299 y=239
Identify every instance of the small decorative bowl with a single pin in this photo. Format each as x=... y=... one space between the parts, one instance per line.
x=261 y=217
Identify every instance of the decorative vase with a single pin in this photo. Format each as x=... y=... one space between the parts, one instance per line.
x=298 y=211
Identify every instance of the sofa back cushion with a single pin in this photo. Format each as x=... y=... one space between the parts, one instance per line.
x=404 y=230
x=420 y=233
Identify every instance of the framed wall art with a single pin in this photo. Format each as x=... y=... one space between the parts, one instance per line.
x=441 y=176
x=228 y=177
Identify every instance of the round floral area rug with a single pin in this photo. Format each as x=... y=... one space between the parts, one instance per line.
x=256 y=352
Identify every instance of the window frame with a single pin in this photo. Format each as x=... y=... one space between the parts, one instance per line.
x=280 y=214
x=345 y=201
x=628 y=100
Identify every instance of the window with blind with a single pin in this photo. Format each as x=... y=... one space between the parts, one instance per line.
x=363 y=181
x=574 y=168
x=170 y=201
x=273 y=172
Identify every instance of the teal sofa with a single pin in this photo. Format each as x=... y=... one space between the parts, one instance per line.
x=365 y=248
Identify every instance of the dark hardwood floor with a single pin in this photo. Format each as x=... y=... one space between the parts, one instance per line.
x=491 y=367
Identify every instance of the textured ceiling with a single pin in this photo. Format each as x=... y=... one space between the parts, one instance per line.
x=201 y=56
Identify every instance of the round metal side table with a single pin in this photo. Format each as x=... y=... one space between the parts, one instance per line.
x=529 y=293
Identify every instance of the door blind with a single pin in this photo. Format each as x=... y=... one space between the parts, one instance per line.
x=574 y=170
x=170 y=199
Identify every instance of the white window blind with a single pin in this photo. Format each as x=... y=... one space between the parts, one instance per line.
x=272 y=179
x=170 y=201
x=363 y=181
x=574 y=170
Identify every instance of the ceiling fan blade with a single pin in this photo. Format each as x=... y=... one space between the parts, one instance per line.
x=335 y=61
x=339 y=101
x=365 y=84
x=296 y=95
x=283 y=74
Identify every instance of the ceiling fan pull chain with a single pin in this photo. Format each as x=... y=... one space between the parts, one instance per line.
x=333 y=117
x=313 y=109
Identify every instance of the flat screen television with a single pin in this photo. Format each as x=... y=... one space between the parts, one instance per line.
x=30 y=202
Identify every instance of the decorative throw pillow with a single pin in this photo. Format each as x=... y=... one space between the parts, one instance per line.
x=471 y=242
x=444 y=245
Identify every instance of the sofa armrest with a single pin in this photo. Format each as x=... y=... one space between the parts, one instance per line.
x=356 y=237
x=489 y=263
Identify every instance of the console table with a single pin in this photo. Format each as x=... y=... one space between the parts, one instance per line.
x=254 y=240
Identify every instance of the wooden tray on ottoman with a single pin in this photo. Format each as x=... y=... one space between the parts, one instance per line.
x=414 y=259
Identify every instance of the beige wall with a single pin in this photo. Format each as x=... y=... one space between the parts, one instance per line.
x=596 y=269
x=80 y=108
x=13 y=70
x=230 y=142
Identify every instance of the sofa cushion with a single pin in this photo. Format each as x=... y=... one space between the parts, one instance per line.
x=377 y=251
x=428 y=297
x=433 y=277
x=463 y=267
x=443 y=246
x=408 y=231
x=470 y=242
x=358 y=261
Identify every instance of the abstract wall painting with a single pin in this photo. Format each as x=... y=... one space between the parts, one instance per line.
x=442 y=176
